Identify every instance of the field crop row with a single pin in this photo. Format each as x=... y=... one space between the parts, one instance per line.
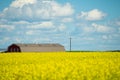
x=60 y=66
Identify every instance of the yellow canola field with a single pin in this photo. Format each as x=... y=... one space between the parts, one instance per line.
x=60 y=66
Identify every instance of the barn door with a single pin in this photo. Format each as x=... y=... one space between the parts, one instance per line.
x=12 y=49
x=15 y=50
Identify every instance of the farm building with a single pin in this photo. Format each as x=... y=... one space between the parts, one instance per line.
x=35 y=48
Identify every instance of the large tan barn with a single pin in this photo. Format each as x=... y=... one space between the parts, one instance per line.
x=35 y=48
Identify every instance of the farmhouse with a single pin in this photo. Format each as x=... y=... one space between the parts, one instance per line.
x=35 y=48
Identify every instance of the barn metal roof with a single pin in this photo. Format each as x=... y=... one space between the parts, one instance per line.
x=38 y=45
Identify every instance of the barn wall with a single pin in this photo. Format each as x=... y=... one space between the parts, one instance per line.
x=41 y=49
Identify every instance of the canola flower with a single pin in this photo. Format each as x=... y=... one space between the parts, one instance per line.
x=60 y=66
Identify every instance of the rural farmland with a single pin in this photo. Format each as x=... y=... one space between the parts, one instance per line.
x=59 y=39
x=60 y=66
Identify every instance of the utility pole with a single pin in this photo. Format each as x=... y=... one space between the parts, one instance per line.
x=70 y=44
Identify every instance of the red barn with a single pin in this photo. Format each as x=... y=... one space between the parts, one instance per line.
x=35 y=48
x=14 y=48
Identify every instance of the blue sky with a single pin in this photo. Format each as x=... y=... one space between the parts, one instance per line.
x=92 y=24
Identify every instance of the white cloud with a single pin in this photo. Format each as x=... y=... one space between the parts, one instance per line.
x=61 y=10
x=18 y=40
x=92 y=15
x=21 y=3
x=88 y=29
x=6 y=27
x=35 y=17
x=30 y=32
x=41 y=32
x=67 y=20
x=33 y=10
x=118 y=23
x=6 y=38
x=45 y=25
x=102 y=28
x=21 y=22
x=62 y=27
x=105 y=37
x=45 y=28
